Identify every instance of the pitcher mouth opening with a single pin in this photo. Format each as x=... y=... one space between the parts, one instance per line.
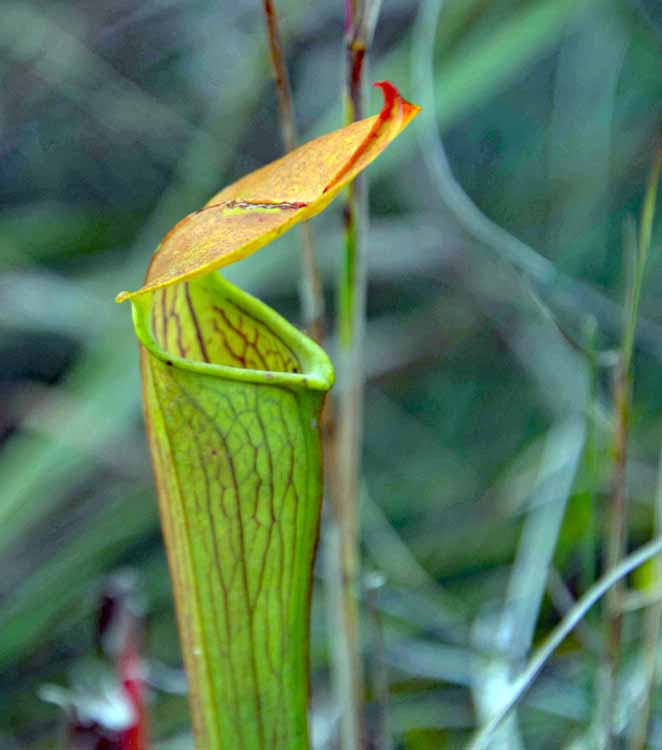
x=208 y=325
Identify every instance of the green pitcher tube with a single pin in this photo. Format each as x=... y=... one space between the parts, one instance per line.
x=233 y=395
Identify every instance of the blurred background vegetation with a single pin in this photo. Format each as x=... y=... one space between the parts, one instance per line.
x=489 y=415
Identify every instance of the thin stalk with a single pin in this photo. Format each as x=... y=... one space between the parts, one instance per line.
x=617 y=513
x=310 y=289
x=510 y=637
x=651 y=629
x=343 y=537
x=563 y=602
x=382 y=738
x=527 y=677
x=589 y=545
x=636 y=255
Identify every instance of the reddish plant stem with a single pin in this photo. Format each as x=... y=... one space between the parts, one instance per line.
x=636 y=246
x=616 y=538
x=617 y=511
x=311 y=296
x=130 y=672
x=283 y=88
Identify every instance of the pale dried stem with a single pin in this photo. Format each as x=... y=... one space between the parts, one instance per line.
x=343 y=560
x=381 y=734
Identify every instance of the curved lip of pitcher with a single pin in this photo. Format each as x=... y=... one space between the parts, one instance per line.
x=317 y=371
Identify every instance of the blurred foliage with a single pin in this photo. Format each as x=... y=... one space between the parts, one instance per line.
x=488 y=404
